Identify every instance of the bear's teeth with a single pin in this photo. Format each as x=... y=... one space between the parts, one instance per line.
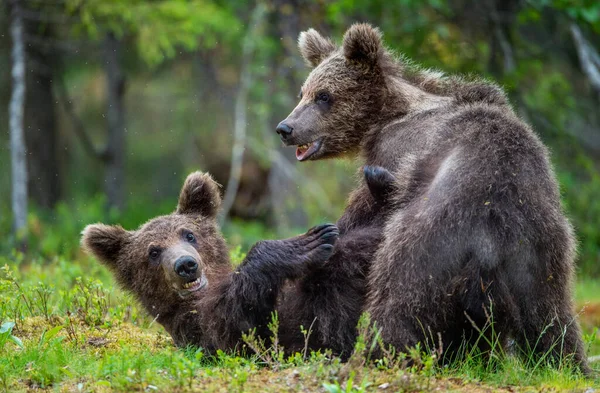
x=189 y=284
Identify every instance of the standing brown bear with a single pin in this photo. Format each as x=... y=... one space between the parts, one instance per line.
x=473 y=231
x=178 y=267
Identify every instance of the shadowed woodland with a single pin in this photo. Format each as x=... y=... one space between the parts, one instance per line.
x=123 y=99
x=110 y=104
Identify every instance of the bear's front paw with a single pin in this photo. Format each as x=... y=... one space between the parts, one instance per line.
x=292 y=258
x=317 y=244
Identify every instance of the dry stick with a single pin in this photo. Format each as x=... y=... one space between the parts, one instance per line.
x=237 y=155
x=27 y=302
x=16 y=109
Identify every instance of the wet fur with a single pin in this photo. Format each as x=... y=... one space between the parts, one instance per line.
x=473 y=226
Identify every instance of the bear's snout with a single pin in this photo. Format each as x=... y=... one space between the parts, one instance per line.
x=186 y=266
x=284 y=130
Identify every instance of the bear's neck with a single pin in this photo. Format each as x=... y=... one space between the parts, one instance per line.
x=173 y=312
x=190 y=320
x=164 y=308
x=404 y=99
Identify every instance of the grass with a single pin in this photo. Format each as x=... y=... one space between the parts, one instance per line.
x=587 y=290
x=73 y=331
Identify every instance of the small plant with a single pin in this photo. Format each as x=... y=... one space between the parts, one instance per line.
x=366 y=342
x=43 y=293
x=184 y=367
x=71 y=329
x=49 y=337
x=91 y=300
x=15 y=297
x=306 y=334
x=6 y=335
x=272 y=355
x=348 y=386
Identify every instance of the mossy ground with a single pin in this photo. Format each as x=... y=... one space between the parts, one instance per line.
x=80 y=334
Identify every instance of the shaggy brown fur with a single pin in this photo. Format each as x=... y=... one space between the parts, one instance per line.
x=474 y=228
x=178 y=267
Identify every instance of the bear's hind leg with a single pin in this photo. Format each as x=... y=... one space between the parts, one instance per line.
x=551 y=333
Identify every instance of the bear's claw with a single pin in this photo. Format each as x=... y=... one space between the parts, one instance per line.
x=319 y=243
x=322 y=234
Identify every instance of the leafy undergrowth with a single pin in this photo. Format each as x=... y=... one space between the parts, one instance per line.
x=74 y=332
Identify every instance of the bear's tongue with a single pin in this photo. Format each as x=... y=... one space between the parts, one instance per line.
x=301 y=151
x=305 y=151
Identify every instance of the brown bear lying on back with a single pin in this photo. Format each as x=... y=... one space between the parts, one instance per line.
x=178 y=267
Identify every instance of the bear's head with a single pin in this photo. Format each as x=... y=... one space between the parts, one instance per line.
x=170 y=257
x=343 y=95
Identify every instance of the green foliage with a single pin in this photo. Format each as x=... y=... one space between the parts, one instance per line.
x=585 y=212
x=586 y=11
x=160 y=28
x=6 y=335
x=550 y=98
x=237 y=256
x=179 y=115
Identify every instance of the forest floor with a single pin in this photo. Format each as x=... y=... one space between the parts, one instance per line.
x=75 y=333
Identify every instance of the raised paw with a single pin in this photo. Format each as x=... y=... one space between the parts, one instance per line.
x=380 y=181
x=318 y=242
x=291 y=258
x=321 y=234
x=315 y=246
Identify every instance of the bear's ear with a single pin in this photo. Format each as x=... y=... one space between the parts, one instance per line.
x=105 y=242
x=199 y=195
x=363 y=44
x=314 y=47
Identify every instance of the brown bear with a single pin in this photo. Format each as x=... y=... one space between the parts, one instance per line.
x=178 y=267
x=473 y=233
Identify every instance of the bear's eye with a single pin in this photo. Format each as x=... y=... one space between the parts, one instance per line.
x=190 y=237
x=323 y=97
x=154 y=253
x=300 y=94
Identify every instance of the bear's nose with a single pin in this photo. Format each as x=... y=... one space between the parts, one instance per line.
x=284 y=130
x=186 y=266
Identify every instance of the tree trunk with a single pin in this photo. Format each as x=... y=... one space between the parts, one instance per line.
x=16 y=108
x=241 y=107
x=588 y=57
x=115 y=147
x=501 y=16
x=40 y=123
x=288 y=209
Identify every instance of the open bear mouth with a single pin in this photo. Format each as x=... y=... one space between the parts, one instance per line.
x=193 y=286
x=304 y=152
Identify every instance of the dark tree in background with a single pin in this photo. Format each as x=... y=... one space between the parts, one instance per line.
x=114 y=154
x=41 y=133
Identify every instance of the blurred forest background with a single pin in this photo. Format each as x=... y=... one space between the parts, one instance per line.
x=124 y=98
